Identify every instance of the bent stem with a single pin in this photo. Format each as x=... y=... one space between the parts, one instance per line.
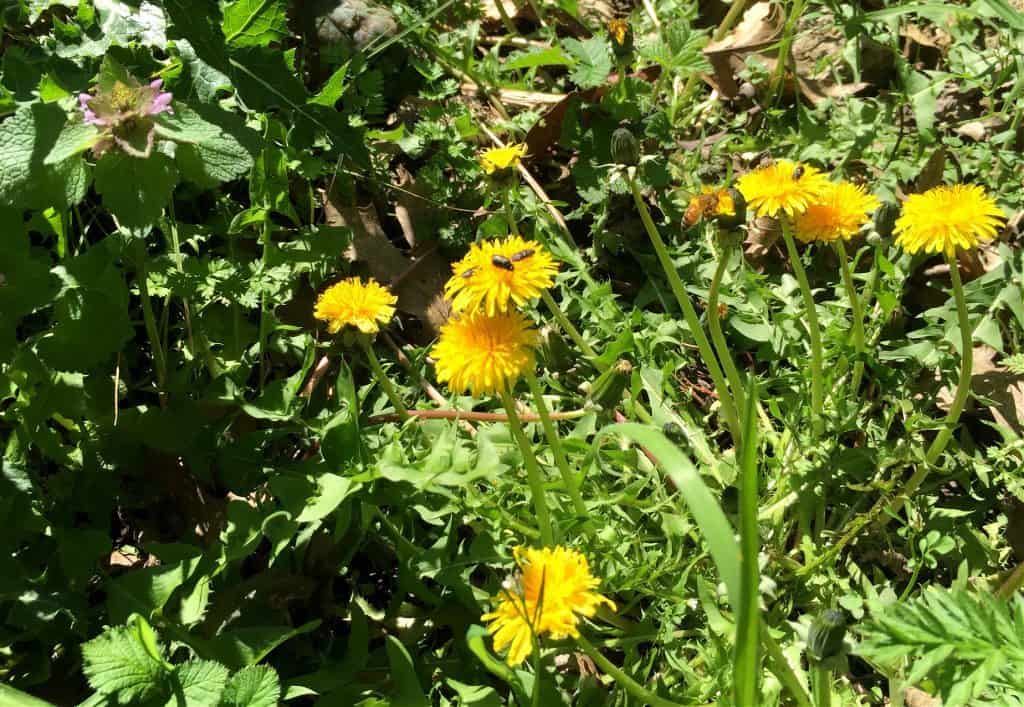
x=858 y=318
x=533 y=476
x=817 y=390
x=888 y=506
x=627 y=683
x=689 y=313
x=963 y=390
x=551 y=432
x=382 y=377
x=715 y=327
x=148 y=318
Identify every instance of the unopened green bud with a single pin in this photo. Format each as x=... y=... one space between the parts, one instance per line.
x=825 y=637
x=625 y=148
x=610 y=386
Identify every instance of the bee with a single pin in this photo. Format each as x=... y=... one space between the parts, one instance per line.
x=468 y=273
x=500 y=261
x=521 y=255
x=798 y=172
x=702 y=206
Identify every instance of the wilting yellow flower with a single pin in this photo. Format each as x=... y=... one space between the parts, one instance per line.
x=499 y=274
x=618 y=28
x=363 y=305
x=840 y=212
x=482 y=353
x=782 y=187
x=948 y=218
x=499 y=159
x=551 y=590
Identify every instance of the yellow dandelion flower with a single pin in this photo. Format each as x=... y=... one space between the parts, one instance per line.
x=498 y=275
x=782 y=187
x=711 y=202
x=499 y=159
x=484 y=354
x=353 y=302
x=948 y=218
x=841 y=211
x=551 y=590
x=618 y=28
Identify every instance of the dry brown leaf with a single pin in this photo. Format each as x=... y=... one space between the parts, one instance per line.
x=995 y=383
x=919 y=698
x=757 y=33
x=418 y=284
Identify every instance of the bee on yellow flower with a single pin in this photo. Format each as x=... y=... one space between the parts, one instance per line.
x=498 y=275
x=551 y=590
x=710 y=203
x=782 y=187
x=948 y=219
x=484 y=354
x=840 y=212
x=352 y=302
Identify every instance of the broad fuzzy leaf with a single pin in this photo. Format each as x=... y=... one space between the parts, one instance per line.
x=593 y=62
x=117 y=662
x=254 y=686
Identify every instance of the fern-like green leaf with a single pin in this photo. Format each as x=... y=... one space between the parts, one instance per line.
x=970 y=645
x=1014 y=364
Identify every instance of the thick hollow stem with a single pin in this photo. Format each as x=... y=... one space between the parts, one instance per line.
x=641 y=693
x=570 y=330
x=889 y=506
x=822 y=679
x=715 y=327
x=533 y=476
x=689 y=313
x=264 y=319
x=551 y=432
x=814 y=329
x=858 y=317
x=382 y=376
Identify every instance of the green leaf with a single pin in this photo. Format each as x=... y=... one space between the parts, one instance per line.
x=199 y=682
x=551 y=56
x=26 y=138
x=136 y=190
x=144 y=591
x=592 y=59
x=331 y=491
x=333 y=88
x=718 y=533
x=255 y=23
x=253 y=686
x=408 y=692
x=214 y=145
x=10 y=697
x=75 y=138
x=199 y=22
x=242 y=647
x=116 y=662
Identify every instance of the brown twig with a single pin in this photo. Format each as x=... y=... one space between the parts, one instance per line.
x=314 y=378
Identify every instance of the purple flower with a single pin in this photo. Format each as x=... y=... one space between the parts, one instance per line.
x=161 y=102
x=90 y=117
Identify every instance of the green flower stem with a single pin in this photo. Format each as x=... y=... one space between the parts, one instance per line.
x=817 y=389
x=692 y=321
x=715 y=327
x=264 y=320
x=788 y=35
x=571 y=331
x=533 y=475
x=858 y=317
x=141 y=274
x=382 y=377
x=822 y=680
x=780 y=666
x=506 y=198
x=888 y=506
x=641 y=693
x=551 y=432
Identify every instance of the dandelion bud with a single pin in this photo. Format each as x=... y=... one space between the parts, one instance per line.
x=625 y=148
x=610 y=386
x=825 y=637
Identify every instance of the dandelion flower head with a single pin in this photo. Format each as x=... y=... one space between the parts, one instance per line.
x=947 y=219
x=498 y=275
x=782 y=187
x=551 y=590
x=841 y=211
x=500 y=159
x=484 y=354
x=352 y=302
x=618 y=28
